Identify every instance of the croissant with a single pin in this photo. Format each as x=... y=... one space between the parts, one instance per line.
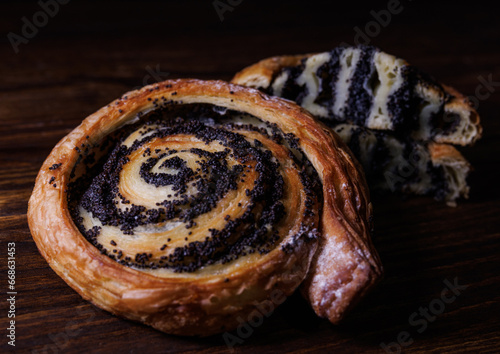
x=387 y=110
x=188 y=205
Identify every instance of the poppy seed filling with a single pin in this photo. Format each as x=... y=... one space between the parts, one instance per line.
x=189 y=183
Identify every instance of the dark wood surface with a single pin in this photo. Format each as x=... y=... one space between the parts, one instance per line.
x=90 y=53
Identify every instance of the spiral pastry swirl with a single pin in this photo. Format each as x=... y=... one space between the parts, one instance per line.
x=187 y=204
x=178 y=195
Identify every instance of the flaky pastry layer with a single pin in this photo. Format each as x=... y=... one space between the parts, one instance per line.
x=215 y=297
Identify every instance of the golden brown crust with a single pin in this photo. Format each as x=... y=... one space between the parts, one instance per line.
x=443 y=152
x=462 y=106
x=346 y=265
x=209 y=304
x=260 y=74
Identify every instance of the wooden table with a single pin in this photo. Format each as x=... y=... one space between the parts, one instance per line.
x=87 y=55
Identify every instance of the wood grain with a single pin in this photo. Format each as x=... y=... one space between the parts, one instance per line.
x=89 y=54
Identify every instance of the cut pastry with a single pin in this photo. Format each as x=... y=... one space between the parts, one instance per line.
x=369 y=88
x=407 y=165
x=188 y=205
x=386 y=110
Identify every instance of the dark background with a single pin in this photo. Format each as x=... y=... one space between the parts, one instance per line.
x=90 y=53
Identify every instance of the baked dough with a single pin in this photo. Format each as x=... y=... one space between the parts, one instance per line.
x=406 y=165
x=391 y=115
x=189 y=204
x=369 y=88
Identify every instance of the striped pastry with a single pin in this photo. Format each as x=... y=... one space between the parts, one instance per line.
x=367 y=87
x=387 y=111
x=407 y=165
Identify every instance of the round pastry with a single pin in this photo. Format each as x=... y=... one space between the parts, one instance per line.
x=189 y=204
